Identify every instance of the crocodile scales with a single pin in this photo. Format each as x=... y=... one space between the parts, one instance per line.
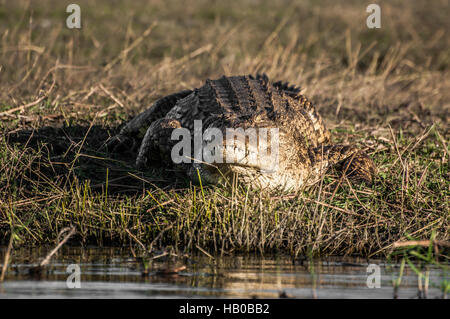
x=305 y=151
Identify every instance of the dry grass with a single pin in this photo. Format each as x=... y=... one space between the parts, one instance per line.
x=64 y=92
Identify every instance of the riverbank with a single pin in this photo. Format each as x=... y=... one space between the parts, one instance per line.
x=65 y=91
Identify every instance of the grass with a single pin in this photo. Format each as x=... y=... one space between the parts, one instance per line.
x=419 y=256
x=64 y=92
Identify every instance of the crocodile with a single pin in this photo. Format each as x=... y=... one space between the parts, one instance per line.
x=304 y=151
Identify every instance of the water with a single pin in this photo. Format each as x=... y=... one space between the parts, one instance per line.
x=115 y=273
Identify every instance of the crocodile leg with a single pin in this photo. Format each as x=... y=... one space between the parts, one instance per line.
x=157 y=142
x=137 y=126
x=351 y=161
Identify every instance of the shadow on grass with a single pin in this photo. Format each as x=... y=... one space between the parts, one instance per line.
x=76 y=151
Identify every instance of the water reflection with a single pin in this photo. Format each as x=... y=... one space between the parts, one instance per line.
x=114 y=273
